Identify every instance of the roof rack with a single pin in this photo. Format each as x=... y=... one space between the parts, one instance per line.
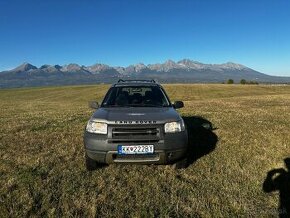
x=136 y=80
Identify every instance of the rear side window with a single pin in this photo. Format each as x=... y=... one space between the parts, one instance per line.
x=136 y=96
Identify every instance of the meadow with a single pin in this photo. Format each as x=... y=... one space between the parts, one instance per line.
x=42 y=171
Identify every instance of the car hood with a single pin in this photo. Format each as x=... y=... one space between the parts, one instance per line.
x=136 y=115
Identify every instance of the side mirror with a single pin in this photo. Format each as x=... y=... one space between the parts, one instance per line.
x=178 y=104
x=94 y=104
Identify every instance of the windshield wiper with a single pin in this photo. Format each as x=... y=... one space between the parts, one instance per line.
x=137 y=105
x=116 y=106
x=151 y=105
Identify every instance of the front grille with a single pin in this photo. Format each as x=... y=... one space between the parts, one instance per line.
x=135 y=134
x=120 y=132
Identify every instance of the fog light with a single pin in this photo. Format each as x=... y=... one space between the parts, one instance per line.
x=170 y=155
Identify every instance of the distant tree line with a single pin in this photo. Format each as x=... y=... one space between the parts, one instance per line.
x=230 y=81
x=242 y=81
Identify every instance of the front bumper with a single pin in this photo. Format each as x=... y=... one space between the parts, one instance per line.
x=170 y=148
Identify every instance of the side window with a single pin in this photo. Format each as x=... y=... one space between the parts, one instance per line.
x=110 y=97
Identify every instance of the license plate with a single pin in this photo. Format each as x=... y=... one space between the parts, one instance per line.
x=135 y=149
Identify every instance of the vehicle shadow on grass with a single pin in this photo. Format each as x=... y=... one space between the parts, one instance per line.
x=279 y=180
x=201 y=138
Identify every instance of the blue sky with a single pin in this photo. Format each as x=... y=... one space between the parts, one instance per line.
x=253 y=33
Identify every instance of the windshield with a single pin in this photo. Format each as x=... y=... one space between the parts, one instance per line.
x=136 y=96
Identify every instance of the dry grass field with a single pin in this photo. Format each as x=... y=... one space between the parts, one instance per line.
x=42 y=169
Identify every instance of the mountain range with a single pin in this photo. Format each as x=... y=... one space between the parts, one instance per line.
x=183 y=71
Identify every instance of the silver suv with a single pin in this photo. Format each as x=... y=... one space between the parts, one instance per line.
x=135 y=123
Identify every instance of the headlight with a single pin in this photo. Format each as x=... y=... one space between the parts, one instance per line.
x=97 y=127
x=174 y=127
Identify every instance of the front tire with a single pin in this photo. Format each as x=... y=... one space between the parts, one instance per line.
x=181 y=164
x=91 y=164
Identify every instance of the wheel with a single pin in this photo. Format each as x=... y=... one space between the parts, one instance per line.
x=91 y=164
x=181 y=164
